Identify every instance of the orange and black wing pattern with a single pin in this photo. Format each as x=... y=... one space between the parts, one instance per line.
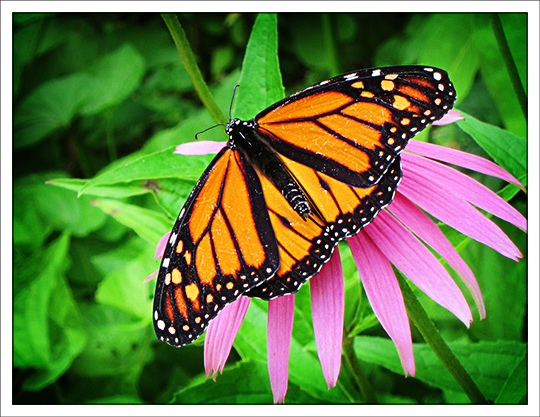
x=221 y=245
x=304 y=174
x=353 y=126
x=305 y=245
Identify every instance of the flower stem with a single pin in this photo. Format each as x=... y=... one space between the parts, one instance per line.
x=192 y=69
x=358 y=373
x=432 y=337
x=509 y=62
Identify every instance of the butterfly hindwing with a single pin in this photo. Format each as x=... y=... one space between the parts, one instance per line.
x=353 y=126
x=222 y=245
x=305 y=245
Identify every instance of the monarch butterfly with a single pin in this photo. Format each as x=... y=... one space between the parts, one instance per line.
x=307 y=172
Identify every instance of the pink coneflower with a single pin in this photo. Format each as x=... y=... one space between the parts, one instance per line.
x=393 y=238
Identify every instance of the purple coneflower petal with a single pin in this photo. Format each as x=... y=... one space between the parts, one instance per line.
x=412 y=258
x=442 y=202
x=423 y=227
x=462 y=159
x=220 y=335
x=151 y=277
x=450 y=117
x=279 y=333
x=384 y=295
x=468 y=188
x=328 y=307
x=160 y=248
x=201 y=147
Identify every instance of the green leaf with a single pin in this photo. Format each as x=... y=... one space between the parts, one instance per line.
x=47 y=328
x=506 y=149
x=59 y=208
x=119 y=191
x=515 y=387
x=260 y=82
x=148 y=224
x=488 y=363
x=31 y=343
x=504 y=288
x=442 y=40
x=493 y=68
x=304 y=367
x=123 y=287
x=163 y=164
x=51 y=106
x=118 y=75
x=242 y=383
x=118 y=343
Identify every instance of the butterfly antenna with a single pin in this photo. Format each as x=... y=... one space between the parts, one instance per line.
x=205 y=130
x=232 y=100
x=220 y=124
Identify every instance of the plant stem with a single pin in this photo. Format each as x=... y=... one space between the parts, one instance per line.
x=509 y=62
x=432 y=337
x=192 y=69
x=358 y=373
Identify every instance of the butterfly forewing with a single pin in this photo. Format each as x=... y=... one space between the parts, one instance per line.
x=222 y=245
x=353 y=126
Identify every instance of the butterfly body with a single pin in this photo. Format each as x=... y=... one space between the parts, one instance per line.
x=245 y=137
x=307 y=172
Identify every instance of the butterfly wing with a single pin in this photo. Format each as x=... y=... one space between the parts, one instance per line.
x=237 y=234
x=222 y=245
x=306 y=245
x=352 y=127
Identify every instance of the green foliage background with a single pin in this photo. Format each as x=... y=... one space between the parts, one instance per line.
x=100 y=101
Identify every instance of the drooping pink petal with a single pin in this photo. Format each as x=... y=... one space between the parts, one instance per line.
x=468 y=188
x=443 y=203
x=201 y=147
x=423 y=227
x=151 y=277
x=279 y=333
x=450 y=117
x=384 y=295
x=160 y=248
x=462 y=159
x=220 y=335
x=412 y=258
x=328 y=309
